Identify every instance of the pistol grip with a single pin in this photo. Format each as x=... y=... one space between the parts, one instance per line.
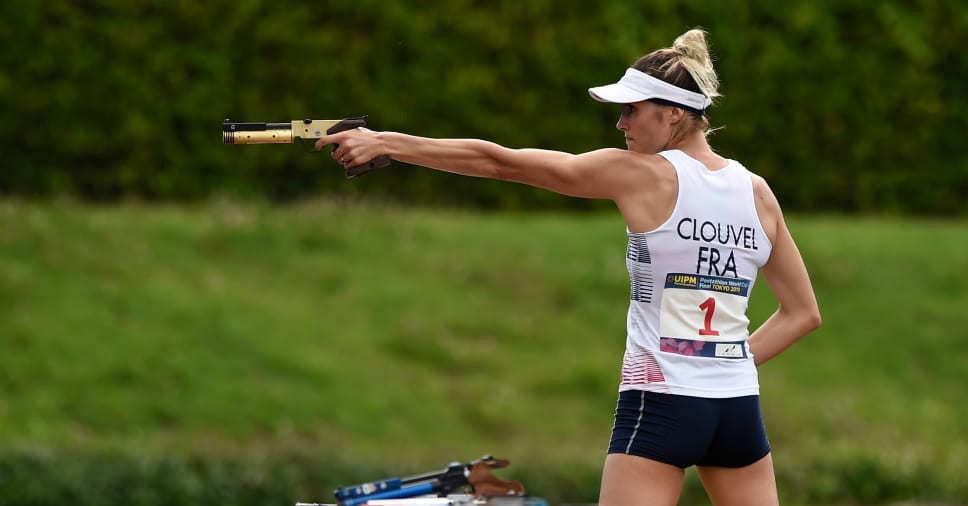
x=376 y=163
x=363 y=168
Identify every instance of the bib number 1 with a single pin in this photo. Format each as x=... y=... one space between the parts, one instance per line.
x=706 y=308
x=709 y=306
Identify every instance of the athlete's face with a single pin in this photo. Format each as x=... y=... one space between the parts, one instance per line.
x=646 y=125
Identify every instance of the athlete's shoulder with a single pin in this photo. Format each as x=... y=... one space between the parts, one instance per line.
x=767 y=206
x=625 y=154
x=762 y=190
x=626 y=161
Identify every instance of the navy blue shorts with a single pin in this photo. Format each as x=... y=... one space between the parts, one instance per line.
x=684 y=431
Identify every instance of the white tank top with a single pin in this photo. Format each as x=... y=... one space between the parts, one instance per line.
x=691 y=280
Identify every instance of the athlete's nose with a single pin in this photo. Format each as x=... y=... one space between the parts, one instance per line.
x=623 y=123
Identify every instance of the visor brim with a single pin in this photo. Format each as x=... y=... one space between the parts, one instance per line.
x=617 y=94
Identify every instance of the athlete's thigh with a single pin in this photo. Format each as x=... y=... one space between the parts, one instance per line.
x=752 y=485
x=628 y=480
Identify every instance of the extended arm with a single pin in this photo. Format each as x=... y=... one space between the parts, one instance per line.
x=597 y=174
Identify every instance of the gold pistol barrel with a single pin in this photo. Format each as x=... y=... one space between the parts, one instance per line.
x=256 y=133
x=258 y=137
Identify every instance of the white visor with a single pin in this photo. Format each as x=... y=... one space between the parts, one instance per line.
x=636 y=86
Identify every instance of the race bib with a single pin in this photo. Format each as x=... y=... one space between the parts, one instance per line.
x=704 y=315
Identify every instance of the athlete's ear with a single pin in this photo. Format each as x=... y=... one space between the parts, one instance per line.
x=675 y=114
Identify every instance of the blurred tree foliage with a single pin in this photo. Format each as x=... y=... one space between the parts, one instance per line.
x=843 y=105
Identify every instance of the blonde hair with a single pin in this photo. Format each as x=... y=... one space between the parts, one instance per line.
x=687 y=64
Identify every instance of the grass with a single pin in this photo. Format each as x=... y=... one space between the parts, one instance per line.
x=413 y=337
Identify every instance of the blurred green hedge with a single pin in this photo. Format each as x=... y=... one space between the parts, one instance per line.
x=36 y=479
x=844 y=105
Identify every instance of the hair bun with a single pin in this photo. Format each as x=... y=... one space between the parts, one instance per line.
x=693 y=54
x=692 y=45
